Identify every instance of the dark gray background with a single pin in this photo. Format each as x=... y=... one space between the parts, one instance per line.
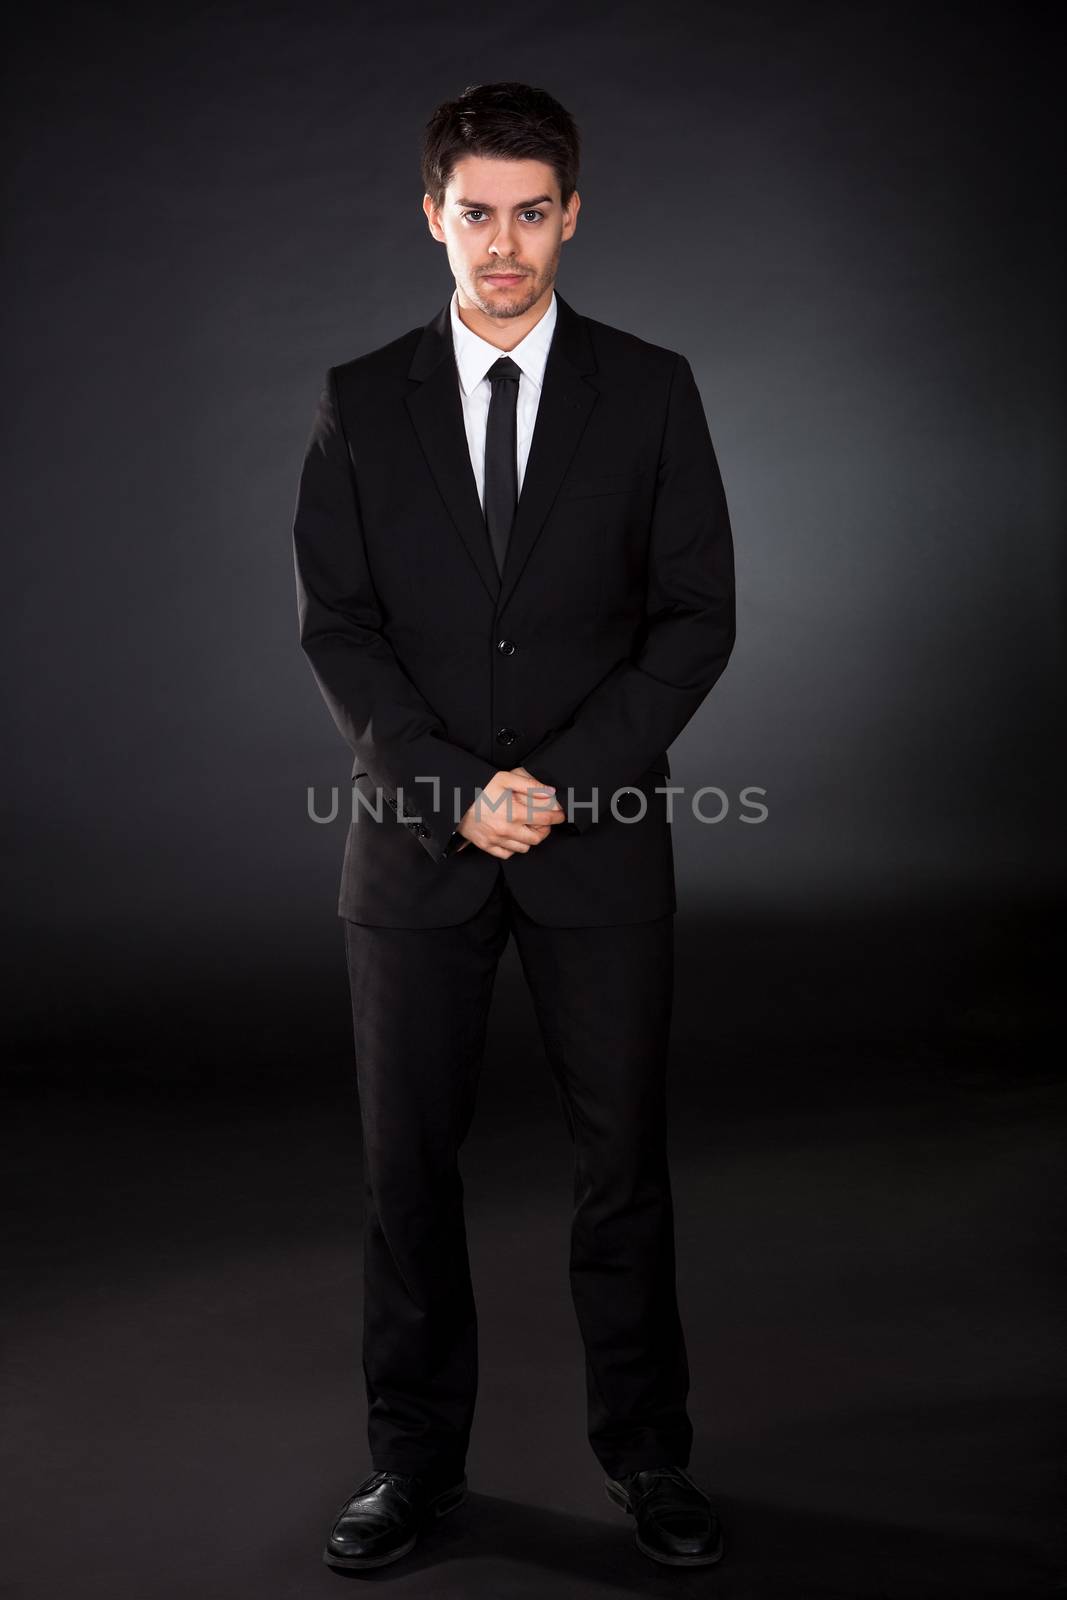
x=847 y=217
x=843 y=215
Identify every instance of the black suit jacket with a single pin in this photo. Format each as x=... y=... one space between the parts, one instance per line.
x=612 y=620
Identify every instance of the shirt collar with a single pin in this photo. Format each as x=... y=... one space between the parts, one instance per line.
x=475 y=355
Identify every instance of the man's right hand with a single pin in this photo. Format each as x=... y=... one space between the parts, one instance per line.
x=521 y=819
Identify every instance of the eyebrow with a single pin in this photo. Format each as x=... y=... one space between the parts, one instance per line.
x=523 y=205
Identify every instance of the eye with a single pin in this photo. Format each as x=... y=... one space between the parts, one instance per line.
x=474 y=212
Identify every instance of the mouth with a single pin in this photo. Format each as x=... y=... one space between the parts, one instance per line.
x=504 y=279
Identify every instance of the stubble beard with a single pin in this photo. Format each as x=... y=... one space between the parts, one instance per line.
x=524 y=295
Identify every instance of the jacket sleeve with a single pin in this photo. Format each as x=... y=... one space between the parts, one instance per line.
x=394 y=733
x=645 y=701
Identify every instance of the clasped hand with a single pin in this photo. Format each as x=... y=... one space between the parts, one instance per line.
x=521 y=819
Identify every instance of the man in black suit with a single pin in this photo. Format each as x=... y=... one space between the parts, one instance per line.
x=515 y=581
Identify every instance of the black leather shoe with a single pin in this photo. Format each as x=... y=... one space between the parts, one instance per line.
x=383 y=1518
x=675 y=1521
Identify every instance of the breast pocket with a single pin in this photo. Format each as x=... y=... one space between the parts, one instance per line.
x=590 y=487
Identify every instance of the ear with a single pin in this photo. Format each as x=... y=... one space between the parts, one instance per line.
x=431 y=218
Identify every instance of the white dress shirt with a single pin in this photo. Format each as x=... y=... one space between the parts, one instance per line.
x=474 y=357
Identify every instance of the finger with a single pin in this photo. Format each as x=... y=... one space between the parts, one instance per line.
x=534 y=816
x=519 y=836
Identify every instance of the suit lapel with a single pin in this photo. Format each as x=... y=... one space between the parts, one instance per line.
x=437 y=413
x=563 y=410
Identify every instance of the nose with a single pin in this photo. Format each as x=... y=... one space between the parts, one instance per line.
x=502 y=243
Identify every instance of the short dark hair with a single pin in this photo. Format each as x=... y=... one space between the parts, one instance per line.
x=510 y=120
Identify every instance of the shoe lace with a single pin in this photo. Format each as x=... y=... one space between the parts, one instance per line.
x=403 y=1482
x=673 y=1474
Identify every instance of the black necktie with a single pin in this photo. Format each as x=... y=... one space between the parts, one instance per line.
x=501 y=467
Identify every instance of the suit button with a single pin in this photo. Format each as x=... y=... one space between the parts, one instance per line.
x=506 y=736
x=506 y=647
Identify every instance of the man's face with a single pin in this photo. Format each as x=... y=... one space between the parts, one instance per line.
x=503 y=227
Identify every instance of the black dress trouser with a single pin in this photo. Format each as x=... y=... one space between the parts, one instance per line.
x=420 y=1002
